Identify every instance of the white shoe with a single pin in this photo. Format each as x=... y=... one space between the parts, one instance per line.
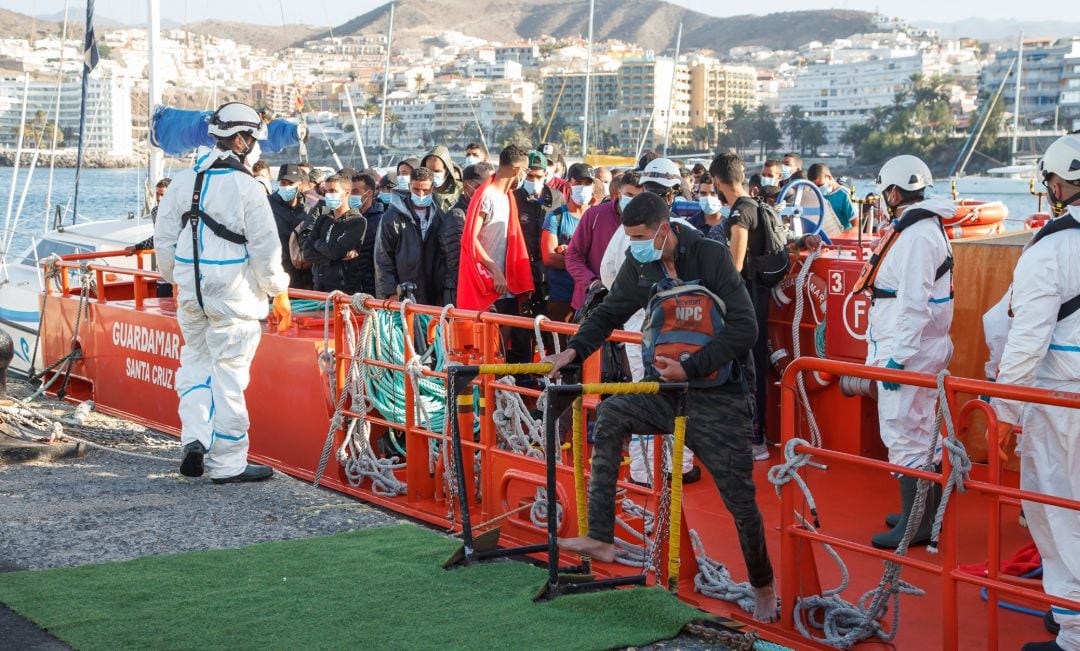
x=761 y=451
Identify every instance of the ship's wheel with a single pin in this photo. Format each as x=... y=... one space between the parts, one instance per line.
x=804 y=217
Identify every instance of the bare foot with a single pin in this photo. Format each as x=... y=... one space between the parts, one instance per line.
x=586 y=546
x=766 y=609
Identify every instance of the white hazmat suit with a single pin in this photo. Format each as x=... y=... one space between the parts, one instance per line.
x=1044 y=352
x=913 y=330
x=221 y=336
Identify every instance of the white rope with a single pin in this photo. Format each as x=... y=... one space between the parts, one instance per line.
x=517 y=429
x=557 y=344
x=959 y=462
x=796 y=343
x=714 y=580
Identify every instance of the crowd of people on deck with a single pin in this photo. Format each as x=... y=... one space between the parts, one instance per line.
x=528 y=232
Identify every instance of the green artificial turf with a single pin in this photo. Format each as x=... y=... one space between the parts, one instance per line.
x=372 y=589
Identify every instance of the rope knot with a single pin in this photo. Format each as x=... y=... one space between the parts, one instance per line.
x=359 y=303
x=789 y=471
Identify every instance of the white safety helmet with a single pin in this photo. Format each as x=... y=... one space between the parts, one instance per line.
x=1062 y=157
x=906 y=172
x=232 y=118
x=662 y=171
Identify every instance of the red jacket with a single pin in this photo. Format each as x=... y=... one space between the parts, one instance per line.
x=476 y=288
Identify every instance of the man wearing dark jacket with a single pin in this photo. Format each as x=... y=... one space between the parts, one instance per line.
x=408 y=248
x=363 y=198
x=287 y=204
x=718 y=419
x=472 y=177
x=445 y=177
x=332 y=244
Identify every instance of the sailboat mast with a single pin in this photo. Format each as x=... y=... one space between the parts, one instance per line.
x=153 y=89
x=588 y=79
x=1016 y=102
x=386 y=83
x=671 y=92
x=56 y=116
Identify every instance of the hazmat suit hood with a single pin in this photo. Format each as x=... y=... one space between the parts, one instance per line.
x=941 y=207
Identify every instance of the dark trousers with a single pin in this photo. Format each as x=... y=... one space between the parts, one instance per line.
x=519 y=342
x=717 y=430
x=760 y=297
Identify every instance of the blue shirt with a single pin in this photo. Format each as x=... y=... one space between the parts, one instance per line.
x=840 y=200
x=561 y=224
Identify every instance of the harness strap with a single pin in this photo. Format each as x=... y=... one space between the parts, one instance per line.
x=1068 y=308
x=192 y=217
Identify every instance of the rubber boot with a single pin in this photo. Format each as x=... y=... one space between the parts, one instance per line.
x=908 y=489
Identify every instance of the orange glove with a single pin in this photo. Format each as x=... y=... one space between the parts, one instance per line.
x=283 y=311
x=1006 y=439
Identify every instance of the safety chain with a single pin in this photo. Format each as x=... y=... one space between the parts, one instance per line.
x=726 y=639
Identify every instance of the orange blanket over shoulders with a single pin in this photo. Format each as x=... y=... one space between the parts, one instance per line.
x=476 y=287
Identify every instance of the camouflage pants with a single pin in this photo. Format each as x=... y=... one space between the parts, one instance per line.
x=718 y=430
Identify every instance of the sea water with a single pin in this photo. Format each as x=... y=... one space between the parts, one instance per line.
x=119 y=193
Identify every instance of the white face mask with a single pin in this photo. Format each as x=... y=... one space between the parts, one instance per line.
x=253 y=155
x=581 y=194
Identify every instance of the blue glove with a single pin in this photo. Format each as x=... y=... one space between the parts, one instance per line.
x=892 y=386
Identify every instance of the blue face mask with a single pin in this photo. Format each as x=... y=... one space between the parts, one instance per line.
x=287 y=192
x=421 y=202
x=624 y=201
x=471 y=160
x=385 y=197
x=768 y=182
x=403 y=181
x=786 y=171
x=333 y=200
x=355 y=202
x=725 y=211
x=440 y=178
x=710 y=205
x=533 y=188
x=644 y=252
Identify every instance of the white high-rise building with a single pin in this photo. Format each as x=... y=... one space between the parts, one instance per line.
x=842 y=95
x=108 y=112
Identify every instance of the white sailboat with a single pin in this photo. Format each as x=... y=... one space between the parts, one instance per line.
x=22 y=277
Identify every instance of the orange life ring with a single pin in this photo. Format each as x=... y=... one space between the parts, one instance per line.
x=1037 y=220
x=781 y=314
x=975 y=213
x=959 y=232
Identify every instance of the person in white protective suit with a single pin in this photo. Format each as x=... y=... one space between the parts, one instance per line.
x=640 y=447
x=910 y=316
x=1043 y=350
x=217 y=242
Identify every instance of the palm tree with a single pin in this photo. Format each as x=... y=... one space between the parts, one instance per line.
x=569 y=137
x=794 y=121
x=765 y=130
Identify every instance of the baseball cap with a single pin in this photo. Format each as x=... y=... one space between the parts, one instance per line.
x=550 y=150
x=537 y=161
x=580 y=172
x=477 y=172
x=290 y=172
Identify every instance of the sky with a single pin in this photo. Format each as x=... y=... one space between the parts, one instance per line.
x=269 y=12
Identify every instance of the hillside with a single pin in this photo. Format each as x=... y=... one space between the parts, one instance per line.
x=267 y=37
x=16 y=25
x=646 y=23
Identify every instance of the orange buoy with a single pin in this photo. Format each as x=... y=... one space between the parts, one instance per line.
x=1037 y=220
x=959 y=232
x=976 y=213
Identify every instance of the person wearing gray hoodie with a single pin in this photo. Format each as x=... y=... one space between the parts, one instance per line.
x=447 y=186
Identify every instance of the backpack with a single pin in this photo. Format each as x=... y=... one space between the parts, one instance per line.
x=681 y=319
x=771 y=266
x=296 y=251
